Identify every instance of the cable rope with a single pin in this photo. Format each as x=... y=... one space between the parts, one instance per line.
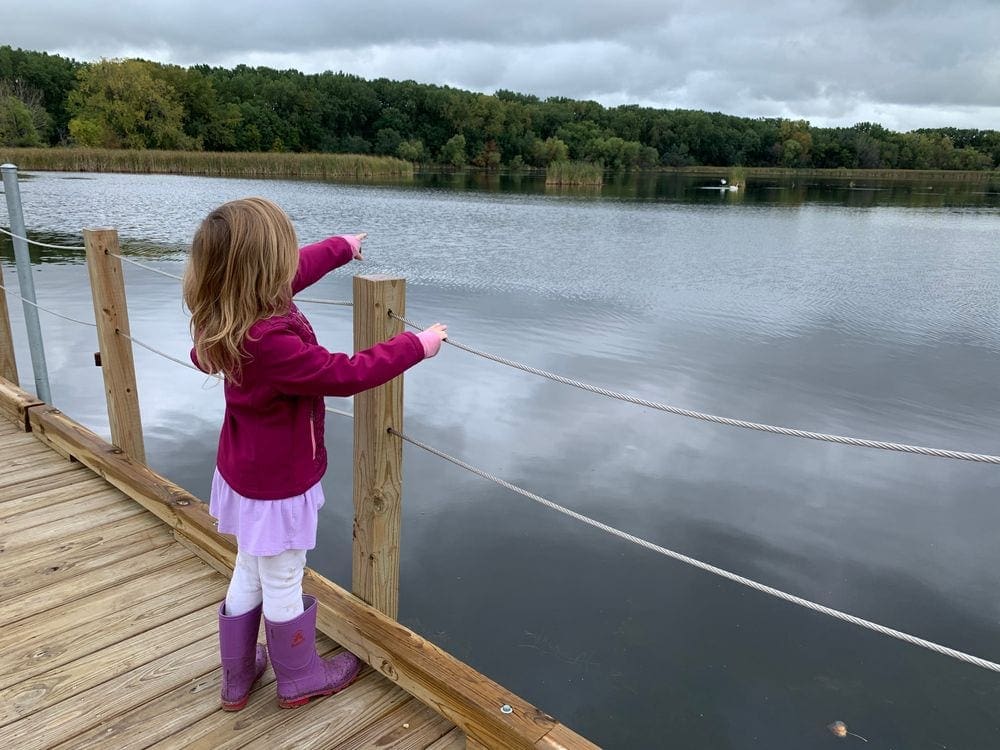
x=40 y=244
x=736 y=578
x=45 y=309
x=791 y=432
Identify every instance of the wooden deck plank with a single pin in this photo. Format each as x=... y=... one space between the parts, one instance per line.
x=454 y=740
x=46 y=597
x=76 y=473
x=43 y=468
x=412 y=726
x=334 y=718
x=44 y=651
x=58 y=557
x=60 y=683
x=20 y=442
x=67 y=718
x=213 y=723
x=100 y=498
x=50 y=496
x=87 y=519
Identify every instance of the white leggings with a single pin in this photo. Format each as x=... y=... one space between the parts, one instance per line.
x=275 y=580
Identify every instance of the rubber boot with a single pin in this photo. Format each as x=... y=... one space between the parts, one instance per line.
x=243 y=659
x=299 y=671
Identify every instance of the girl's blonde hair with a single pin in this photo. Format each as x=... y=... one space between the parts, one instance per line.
x=243 y=259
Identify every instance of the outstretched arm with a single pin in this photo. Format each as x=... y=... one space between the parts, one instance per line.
x=317 y=260
x=301 y=369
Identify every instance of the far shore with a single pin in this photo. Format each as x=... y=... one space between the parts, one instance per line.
x=365 y=166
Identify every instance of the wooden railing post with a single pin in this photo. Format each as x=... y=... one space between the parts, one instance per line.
x=8 y=365
x=378 y=456
x=107 y=285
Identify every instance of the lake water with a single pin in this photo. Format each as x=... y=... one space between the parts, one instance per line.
x=870 y=310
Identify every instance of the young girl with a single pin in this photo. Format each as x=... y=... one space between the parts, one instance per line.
x=245 y=266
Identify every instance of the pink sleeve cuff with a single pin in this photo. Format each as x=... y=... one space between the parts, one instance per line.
x=431 y=342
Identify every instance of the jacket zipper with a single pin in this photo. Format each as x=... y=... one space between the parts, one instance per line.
x=312 y=429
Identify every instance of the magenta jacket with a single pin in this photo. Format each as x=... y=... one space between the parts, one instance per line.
x=271 y=446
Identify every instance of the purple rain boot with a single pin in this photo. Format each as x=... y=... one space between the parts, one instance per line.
x=243 y=659
x=299 y=671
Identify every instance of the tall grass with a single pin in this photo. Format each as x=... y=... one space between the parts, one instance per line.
x=574 y=173
x=219 y=164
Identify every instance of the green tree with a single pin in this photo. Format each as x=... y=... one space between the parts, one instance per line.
x=453 y=152
x=119 y=104
x=412 y=150
x=17 y=126
x=387 y=141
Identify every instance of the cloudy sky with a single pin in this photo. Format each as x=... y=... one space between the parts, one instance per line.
x=903 y=63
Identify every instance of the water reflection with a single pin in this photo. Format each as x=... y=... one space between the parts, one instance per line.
x=818 y=305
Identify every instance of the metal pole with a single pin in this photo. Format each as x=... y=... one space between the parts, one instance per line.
x=27 y=284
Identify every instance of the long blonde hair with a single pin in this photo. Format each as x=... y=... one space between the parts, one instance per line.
x=243 y=259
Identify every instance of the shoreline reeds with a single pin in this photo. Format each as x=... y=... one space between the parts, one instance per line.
x=574 y=173
x=207 y=163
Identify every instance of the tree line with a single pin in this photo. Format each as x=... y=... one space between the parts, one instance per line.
x=52 y=100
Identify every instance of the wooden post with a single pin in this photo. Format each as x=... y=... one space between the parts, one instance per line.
x=378 y=456
x=8 y=365
x=107 y=286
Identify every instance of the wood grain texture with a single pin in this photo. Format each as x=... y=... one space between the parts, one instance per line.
x=378 y=456
x=43 y=598
x=261 y=712
x=107 y=285
x=8 y=363
x=67 y=718
x=454 y=740
x=64 y=681
x=86 y=485
x=57 y=557
x=42 y=644
x=15 y=403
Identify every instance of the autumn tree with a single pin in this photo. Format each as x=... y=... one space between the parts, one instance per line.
x=121 y=104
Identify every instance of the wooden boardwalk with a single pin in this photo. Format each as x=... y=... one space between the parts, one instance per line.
x=108 y=633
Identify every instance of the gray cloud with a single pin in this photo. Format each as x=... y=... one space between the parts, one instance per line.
x=905 y=64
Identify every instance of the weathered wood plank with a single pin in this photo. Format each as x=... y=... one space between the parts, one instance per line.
x=46 y=597
x=454 y=740
x=47 y=497
x=107 y=284
x=378 y=456
x=159 y=719
x=75 y=473
x=67 y=718
x=88 y=519
x=59 y=556
x=97 y=668
x=8 y=363
x=15 y=404
x=43 y=468
x=340 y=717
x=412 y=726
x=14 y=441
x=219 y=726
x=39 y=652
x=57 y=515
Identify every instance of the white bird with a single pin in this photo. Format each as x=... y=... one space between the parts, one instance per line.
x=723 y=181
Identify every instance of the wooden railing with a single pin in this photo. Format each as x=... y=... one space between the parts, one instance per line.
x=363 y=621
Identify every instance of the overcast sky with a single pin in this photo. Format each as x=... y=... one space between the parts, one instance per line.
x=903 y=63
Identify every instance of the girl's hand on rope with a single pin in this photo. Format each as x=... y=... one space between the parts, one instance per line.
x=431 y=339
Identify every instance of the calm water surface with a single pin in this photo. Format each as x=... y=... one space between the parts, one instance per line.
x=869 y=310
